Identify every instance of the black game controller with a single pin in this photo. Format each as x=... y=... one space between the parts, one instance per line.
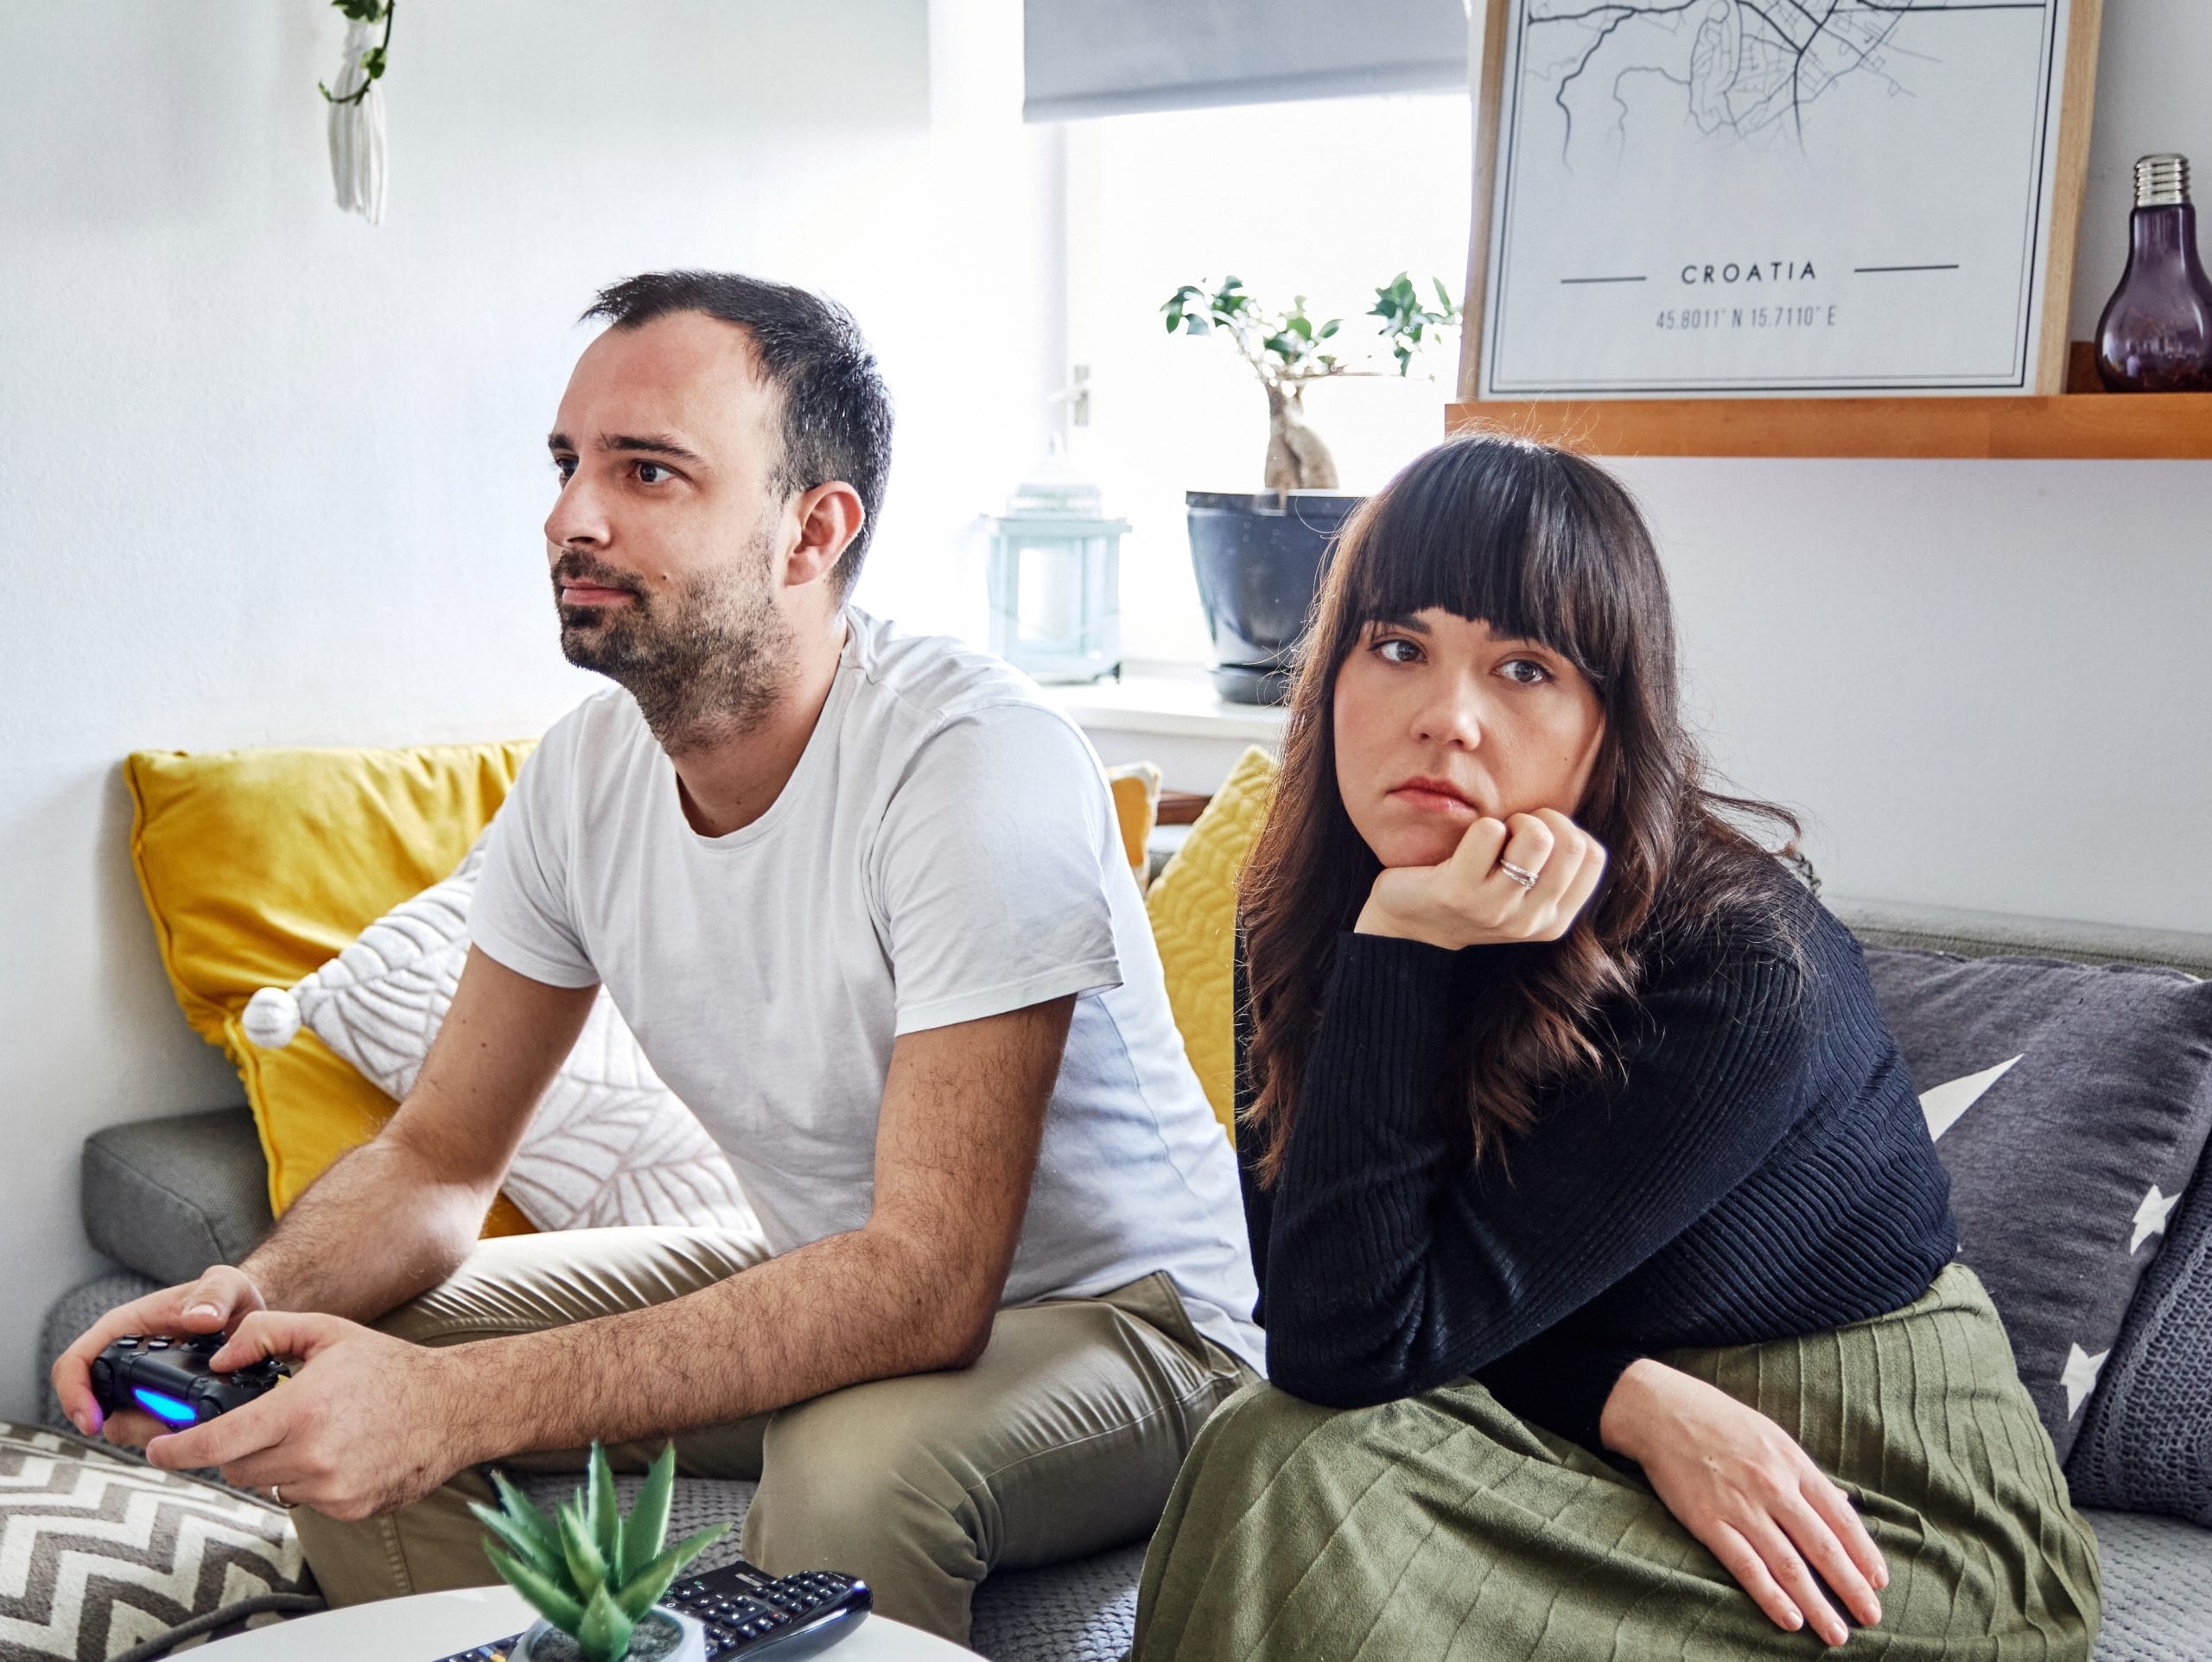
x=169 y=1379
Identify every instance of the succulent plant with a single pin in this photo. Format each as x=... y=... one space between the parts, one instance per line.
x=589 y=1571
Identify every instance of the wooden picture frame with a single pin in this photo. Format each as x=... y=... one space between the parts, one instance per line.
x=2044 y=362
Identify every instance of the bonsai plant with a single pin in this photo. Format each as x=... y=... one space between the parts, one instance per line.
x=1259 y=558
x=1289 y=351
x=594 y=1575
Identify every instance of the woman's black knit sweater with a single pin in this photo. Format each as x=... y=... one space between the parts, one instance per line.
x=1764 y=1171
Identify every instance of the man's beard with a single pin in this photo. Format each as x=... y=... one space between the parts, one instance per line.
x=707 y=660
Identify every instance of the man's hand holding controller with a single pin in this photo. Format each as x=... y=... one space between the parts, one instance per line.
x=216 y=1303
x=381 y=1424
x=1524 y=878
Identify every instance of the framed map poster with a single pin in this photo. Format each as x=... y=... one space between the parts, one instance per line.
x=1739 y=197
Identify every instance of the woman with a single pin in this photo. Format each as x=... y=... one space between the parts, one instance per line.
x=1604 y=1256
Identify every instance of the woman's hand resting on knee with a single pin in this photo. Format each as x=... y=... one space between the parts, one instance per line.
x=1741 y=1485
x=1474 y=899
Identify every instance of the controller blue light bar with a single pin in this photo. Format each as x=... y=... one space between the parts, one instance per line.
x=167 y=1408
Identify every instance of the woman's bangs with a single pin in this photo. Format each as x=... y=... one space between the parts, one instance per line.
x=1454 y=532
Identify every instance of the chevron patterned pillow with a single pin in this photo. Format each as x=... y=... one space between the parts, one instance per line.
x=103 y=1558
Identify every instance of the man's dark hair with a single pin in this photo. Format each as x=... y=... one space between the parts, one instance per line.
x=836 y=409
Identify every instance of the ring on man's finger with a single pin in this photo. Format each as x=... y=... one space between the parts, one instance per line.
x=1520 y=874
x=276 y=1494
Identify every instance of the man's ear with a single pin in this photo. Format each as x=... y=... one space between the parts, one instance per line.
x=829 y=517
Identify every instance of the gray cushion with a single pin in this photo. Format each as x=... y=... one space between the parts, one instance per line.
x=1987 y=934
x=1086 y=1611
x=2064 y=1170
x=698 y=1501
x=169 y=1197
x=2158 y=1588
x=2145 y=1443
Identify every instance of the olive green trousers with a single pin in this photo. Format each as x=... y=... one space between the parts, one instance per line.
x=1064 y=1438
x=1442 y=1526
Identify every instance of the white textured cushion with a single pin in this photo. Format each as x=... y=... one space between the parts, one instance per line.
x=610 y=1144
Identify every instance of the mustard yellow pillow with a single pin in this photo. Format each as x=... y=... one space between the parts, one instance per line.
x=1137 y=811
x=1193 y=910
x=259 y=866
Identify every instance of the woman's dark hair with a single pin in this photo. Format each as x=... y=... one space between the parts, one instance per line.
x=837 y=410
x=1542 y=545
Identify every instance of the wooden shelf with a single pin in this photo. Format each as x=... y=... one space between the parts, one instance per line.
x=2084 y=422
x=2169 y=426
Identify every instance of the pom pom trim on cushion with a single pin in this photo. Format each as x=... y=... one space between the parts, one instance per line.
x=272 y=1018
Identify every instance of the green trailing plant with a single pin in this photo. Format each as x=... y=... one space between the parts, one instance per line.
x=589 y=1571
x=374 y=59
x=1289 y=350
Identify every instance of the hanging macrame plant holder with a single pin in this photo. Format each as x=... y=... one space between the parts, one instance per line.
x=357 y=118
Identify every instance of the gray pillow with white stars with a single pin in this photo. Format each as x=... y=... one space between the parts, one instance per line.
x=2145 y=1443
x=2070 y=1105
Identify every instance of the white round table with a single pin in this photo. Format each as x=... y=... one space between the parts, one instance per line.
x=434 y=1625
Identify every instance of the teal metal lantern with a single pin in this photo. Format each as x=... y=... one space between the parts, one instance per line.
x=1055 y=582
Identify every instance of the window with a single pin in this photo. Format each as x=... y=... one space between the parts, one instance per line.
x=1326 y=199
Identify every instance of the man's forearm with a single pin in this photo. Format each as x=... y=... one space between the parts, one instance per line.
x=914 y=1291
x=378 y=1227
x=849 y=1309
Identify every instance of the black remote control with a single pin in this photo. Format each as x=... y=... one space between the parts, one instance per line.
x=749 y=1614
x=169 y=1379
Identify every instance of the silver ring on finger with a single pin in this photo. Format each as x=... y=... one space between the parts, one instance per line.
x=1520 y=874
x=276 y=1494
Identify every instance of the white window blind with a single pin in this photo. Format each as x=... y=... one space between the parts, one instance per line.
x=1114 y=57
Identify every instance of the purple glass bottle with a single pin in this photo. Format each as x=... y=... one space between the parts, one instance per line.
x=2155 y=333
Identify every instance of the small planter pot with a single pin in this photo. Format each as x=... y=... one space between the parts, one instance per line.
x=1259 y=560
x=662 y=1636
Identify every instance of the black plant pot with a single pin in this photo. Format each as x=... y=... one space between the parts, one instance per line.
x=1259 y=560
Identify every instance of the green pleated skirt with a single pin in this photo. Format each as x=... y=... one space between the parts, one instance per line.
x=1442 y=1526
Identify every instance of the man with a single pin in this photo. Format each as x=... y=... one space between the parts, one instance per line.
x=860 y=898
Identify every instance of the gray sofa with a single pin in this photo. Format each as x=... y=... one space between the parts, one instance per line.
x=164 y=1198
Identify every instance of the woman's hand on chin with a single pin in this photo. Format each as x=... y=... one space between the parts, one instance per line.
x=1741 y=1485
x=1474 y=899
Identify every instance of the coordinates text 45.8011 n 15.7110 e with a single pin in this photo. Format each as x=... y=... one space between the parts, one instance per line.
x=1747 y=317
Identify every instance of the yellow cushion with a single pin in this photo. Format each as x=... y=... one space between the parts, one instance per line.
x=1193 y=909
x=258 y=866
x=1136 y=808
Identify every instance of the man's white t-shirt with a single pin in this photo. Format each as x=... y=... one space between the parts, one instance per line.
x=946 y=850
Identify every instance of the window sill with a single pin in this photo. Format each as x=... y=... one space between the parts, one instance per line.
x=1169 y=700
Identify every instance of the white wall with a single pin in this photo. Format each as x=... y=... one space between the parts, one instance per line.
x=269 y=475
x=1984 y=684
